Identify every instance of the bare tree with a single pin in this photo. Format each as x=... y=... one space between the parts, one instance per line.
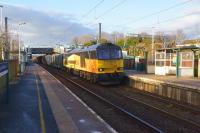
x=180 y=37
x=197 y=31
x=2 y=46
x=75 y=42
x=85 y=38
x=106 y=36
x=159 y=37
x=115 y=36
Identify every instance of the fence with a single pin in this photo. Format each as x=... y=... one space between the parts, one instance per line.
x=4 y=81
x=8 y=71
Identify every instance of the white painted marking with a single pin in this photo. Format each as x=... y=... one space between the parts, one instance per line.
x=82 y=121
x=96 y=132
x=68 y=108
x=91 y=110
x=43 y=72
x=71 y=100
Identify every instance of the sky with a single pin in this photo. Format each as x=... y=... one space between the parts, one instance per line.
x=50 y=22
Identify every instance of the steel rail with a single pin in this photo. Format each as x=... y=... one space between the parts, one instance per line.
x=148 y=125
x=163 y=111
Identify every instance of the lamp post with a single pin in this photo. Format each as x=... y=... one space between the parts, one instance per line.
x=1 y=9
x=20 y=24
x=152 y=45
x=2 y=49
x=125 y=40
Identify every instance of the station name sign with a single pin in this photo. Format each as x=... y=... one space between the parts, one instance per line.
x=3 y=68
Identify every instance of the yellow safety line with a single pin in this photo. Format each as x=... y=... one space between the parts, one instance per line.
x=42 y=122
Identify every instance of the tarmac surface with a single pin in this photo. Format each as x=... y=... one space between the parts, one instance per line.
x=39 y=103
x=22 y=113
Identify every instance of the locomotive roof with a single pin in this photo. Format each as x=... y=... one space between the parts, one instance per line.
x=91 y=48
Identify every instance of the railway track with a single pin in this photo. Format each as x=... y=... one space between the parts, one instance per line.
x=183 y=106
x=194 y=110
x=186 y=106
x=147 y=126
x=170 y=115
x=151 y=127
x=163 y=111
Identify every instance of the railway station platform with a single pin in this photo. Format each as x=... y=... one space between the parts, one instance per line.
x=39 y=103
x=184 y=89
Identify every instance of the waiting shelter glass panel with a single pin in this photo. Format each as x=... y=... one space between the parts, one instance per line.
x=186 y=59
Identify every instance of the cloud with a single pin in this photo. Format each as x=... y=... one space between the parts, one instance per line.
x=44 y=28
x=190 y=24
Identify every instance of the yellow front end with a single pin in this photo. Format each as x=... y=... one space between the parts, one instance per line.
x=109 y=66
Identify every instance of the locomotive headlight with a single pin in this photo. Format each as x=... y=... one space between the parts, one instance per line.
x=101 y=69
x=120 y=68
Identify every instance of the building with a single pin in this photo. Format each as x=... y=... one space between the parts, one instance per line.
x=180 y=61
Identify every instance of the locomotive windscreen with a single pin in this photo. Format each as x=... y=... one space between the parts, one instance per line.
x=109 y=52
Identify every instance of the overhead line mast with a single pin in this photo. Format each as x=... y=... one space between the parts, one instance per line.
x=99 y=35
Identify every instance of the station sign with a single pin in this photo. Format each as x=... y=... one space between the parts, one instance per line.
x=3 y=68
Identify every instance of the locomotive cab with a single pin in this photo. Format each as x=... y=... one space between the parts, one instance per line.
x=110 y=63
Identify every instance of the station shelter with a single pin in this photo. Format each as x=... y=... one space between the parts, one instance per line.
x=183 y=61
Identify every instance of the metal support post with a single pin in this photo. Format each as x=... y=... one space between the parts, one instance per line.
x=99 y=36
x=146 y=61
x=177 y=62
x=195 y=64
x=7 y=46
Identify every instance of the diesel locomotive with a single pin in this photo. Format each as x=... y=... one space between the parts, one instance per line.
x=101 y=63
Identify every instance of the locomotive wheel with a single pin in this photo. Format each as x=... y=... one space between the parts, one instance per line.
x=88 y=76
x=71 y=71
x=95 y=78
x=67 y=70
x=84 y=75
